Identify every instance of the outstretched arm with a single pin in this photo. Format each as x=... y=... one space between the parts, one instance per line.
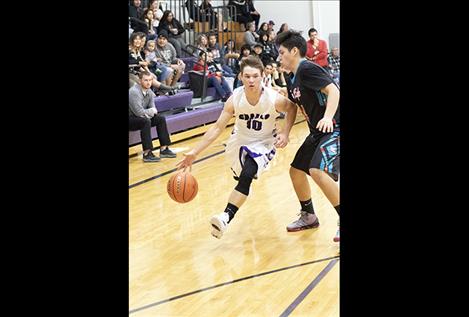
x=211 y=135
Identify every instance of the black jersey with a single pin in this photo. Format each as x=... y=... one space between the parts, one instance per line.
x=305 y=90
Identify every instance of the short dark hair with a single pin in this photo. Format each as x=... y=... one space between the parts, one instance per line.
x=143 y=73
x=311 y=31
x=252 y=61
x=163 y=33
x=246 y=47
x=290 y=39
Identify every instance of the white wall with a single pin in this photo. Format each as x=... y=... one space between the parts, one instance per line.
x=326 y=19
x=297 y=14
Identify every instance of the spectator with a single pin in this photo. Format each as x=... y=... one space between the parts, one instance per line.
x=208 y=14
x=135 y=16
x=164 y=73
x=157 y=12
x=263 y=29
x=174 y=30
x=334 y=64
x=278 y=75
x=259 y=52
x=267 y=79
x=167 y=53
x=316 y=49
x=283 y=28
x=202 y=42
x=137 y=63
x=245 y=52
x=214 y=48
x=273 y=44
x=242 y=12
x=230 y=56
x=215 y=77
x=143 y=115
x=149 y=18
x=250 y=37
x=271 y=26
x=267 y=46
x=255 y=16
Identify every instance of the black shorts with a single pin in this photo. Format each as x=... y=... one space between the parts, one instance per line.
x=320 y=151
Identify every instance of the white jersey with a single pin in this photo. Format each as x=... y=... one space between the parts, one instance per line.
x=254 y=131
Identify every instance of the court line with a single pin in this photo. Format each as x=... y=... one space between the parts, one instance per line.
x=175 y=169
x=308 y=289
x=231 y=282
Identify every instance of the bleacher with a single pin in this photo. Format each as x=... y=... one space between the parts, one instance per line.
x=183 y=112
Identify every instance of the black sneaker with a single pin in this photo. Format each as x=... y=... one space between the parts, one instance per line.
x=167 y=153
x=150 y=157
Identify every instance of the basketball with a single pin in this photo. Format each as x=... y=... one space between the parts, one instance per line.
x=182 y=187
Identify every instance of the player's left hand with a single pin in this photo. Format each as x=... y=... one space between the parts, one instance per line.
x=281 y=140
x=325 y=125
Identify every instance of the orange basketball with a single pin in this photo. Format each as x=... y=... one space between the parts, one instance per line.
x=182 y=187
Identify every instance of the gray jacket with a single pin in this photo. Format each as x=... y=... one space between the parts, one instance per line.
x=249 y=38
x=140 y=105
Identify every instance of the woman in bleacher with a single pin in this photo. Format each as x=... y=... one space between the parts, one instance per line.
x=174 y=29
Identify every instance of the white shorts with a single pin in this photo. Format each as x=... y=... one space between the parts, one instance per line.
x=261 y=151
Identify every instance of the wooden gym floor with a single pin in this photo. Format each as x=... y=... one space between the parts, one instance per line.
x=257 y=269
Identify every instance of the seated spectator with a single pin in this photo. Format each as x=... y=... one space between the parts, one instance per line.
x=273 y=45
x=214 y=75
x=263 y=29
x=167 y=53
x=214 y=48
x=138 y=64
x=271 y=26
x=174 y=29
x=135 y=16
x=148 y=18
x=316 y=49
x=245 y=52
x=164 y=73
x=334 y=64
x=283 y=28
x=154 y=5
x=278 y=75
x=267 y=79
x=143 y=115
x=208 y=14
x=268 y=46
x=259 y=52
x=202 y=42
x=250 y=37
x=271 y=78
x=230 y=56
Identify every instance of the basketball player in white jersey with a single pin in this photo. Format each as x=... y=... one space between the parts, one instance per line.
x=252 y=144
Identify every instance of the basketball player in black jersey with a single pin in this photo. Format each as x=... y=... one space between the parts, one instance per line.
x=316 y=94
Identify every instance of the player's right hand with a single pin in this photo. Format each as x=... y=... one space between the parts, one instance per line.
x=189 y=158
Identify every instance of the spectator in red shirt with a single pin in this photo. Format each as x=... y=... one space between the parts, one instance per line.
x=316 y=49
x=214 y=75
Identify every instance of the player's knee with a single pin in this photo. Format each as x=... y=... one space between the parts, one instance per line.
x=295 y=173
x=244 y=184
x=316 y=174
